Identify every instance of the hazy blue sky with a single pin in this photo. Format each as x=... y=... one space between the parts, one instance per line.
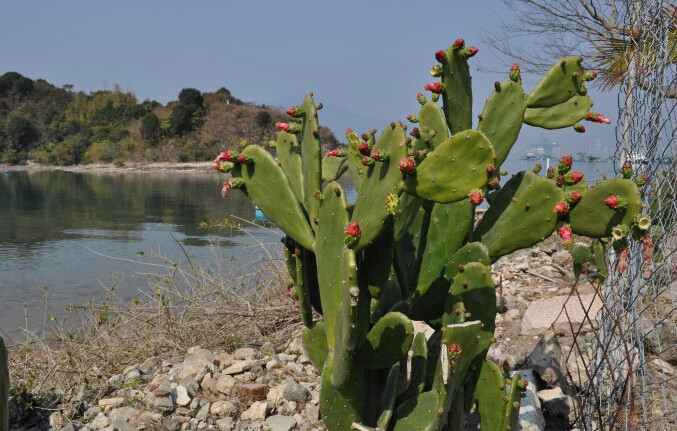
x=364 y=58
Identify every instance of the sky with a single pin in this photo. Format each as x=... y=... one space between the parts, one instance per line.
x=364 y=60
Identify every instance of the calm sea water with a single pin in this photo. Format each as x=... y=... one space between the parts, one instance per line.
x=78 y=233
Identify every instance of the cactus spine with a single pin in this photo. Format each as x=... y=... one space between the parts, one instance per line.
x=407 y=248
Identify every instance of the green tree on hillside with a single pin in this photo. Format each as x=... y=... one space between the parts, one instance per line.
x=20 y=133
x=181 y=119
x=150 y=128
x=191 y=97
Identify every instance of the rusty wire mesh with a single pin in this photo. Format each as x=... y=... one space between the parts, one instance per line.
x=625 y=372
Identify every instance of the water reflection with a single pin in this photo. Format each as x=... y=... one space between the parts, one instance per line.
x=56 y=227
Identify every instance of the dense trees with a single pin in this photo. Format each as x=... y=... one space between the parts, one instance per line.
x=57 y=125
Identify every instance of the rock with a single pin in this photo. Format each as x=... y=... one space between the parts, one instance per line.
x=209 y=383
x=561 y=258
x=100 y=422
x=91 y=413
x=543 y=314
x=122 y=418
x=245 y=353
x=191 y=384
x=171 y=424
x=57 y=420
x=312 y=413
x=663 y=367
x=295 y=392
x=267 y=348
x=180 y=396
x=530 y=416
x=203 y=410
x=195 y=361
x=224 y=424
x=111 y=402
x=150 y=365
x=225 y=384
x=276 y=394
x=577 y=367
x=68 y=427
x=546 y=361
x=281 y=423
x=132 y=375
x=661 y=337
x=251 y=392
x=242 y=366
x=116 y=379
x=163 y=404
x=258 y=411
x=223 y=408
x=556 y=402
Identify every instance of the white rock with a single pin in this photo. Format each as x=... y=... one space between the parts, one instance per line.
x=257 y=412
x=100 y=422
x=180 y=396
x=546 y=313
x=281 y=423
x=115 y=401
x=225 y=384
x=223 y=408
x=195 y=361
x=530 y=416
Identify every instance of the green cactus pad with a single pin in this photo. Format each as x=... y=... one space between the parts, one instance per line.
x=489 y=393
x=431 y=118
x=315 y=342
x=303 y=293
x=581 y=254
x=419 y=361
x=345 y=322
x=341 y=407
x=378 y=182
x=410 y=232
x=389 y=396
x=449 y=225
x=457 y=91
x=355 y=166
x=471 y=252
x=453 y=169
x=502 y=118
x=465 y=335
x=564 y=114
x=592 y=218
x=387 y=342
x=418 y=414
x=311 y=160
x=558 y=85
x=269 y=188
x=333 y=168
x=520 y=215
x=288 y=153
x=388 y=296
x=376 y=261
x=475 y=289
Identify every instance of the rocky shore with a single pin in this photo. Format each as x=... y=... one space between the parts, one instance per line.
x=257 y=387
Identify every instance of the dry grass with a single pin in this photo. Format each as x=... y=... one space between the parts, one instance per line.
x=182 y=307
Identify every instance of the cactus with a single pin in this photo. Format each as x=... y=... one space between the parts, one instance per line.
x=408 y=248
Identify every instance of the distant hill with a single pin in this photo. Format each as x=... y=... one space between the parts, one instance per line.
x=52 y=125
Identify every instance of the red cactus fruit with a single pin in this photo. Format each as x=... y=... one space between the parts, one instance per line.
x=494 y=183
x=282 y=126
x=375 y=155
x=472 y=51
x=363 y=148
x=561 y=208
x=561 y=179
x=497 y=85
x=576 y=196
x=349 y=131
x=564 y=232
x=407 y=166
x=626 y=170
x=537 y=168
x=242 y=158
x=579 y=128
x=435 y=87
x=490 y=169
x=567 y=160
x=295 y=111
x=576 y=177
x=415 y=132
x=332 y=153
x=514 y=67
x=353 y=229
x=421 y=98
x=459 y=43
x=440 y=55
x=476 y=197
x=611 y=201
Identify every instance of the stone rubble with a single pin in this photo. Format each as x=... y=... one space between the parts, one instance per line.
x=258 y=388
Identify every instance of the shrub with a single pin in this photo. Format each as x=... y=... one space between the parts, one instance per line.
x=191 y=97
x=180 y=120
x=150 y=128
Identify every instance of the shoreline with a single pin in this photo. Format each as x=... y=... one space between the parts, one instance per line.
x=111 y=168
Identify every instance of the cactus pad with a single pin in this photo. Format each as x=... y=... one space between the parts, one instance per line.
x=387 y=342
x=288 y=153
x=561 y=83
x=592 y=218
x=453 y=169
x=564 y=114
x=521 y=214
x=269 y=188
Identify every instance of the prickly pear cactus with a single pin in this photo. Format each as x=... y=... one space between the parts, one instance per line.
x=408 y=247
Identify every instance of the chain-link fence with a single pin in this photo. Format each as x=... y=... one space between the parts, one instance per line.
x=626 y=371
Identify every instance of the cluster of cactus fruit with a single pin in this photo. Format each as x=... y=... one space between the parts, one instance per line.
x=408 y=248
